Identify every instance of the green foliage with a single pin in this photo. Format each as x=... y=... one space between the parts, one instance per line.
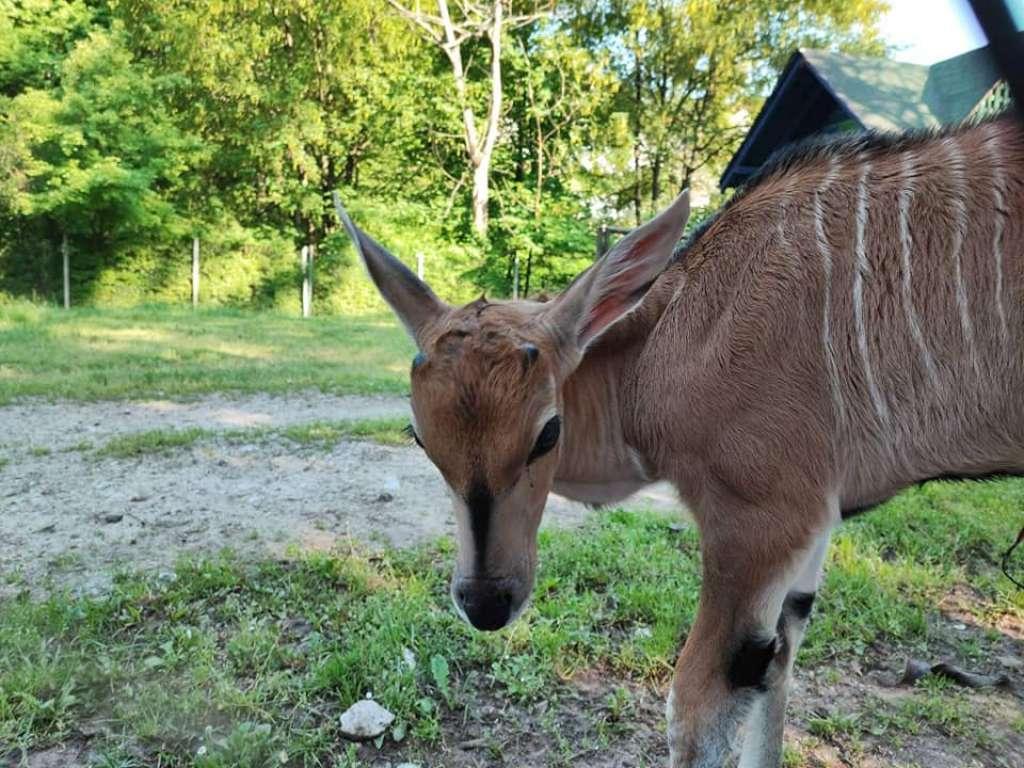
x=130 y=126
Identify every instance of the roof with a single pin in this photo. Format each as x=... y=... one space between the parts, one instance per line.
x=885 y=95
x=895 y=96
x=869 y=92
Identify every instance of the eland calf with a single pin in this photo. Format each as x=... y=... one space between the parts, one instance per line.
x=851 y=323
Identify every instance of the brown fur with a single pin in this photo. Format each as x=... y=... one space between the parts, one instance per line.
x=720 y=381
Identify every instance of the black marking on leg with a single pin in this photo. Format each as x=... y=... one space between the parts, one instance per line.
x=799 y=604
x=480 y=501
x=749 y=664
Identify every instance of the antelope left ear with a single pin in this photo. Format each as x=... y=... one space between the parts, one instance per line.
x=410 y=298
x=616 y=284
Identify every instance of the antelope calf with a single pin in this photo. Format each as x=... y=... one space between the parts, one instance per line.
x=849 y=324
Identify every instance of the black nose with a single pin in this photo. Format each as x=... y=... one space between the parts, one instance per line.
x=487 y=605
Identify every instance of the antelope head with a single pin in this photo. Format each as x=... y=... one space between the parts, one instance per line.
x=487 y=399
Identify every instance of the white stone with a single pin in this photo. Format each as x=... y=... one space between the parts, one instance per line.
x=366 y=719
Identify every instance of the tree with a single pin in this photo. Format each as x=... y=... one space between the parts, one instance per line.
x=97 y=158
x=696 y=71
x=476 y=19
x=296 y=98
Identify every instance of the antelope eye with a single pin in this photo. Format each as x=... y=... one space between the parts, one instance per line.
x=547 y=439
x=411 y=432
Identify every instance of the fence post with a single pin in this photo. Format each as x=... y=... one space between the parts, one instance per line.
x=602 y=241
x=419 y=264
x=306 y=258
x=515 y=277
x=66 y=258
x=195 y=272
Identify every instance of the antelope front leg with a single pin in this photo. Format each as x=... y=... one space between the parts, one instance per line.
x=763 y=742
x=736 y=661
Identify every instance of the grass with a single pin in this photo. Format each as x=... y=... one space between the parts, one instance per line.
x=321 y=434
x=168 y=351
x=152 y=441
x=328 y=433
x=248 y=664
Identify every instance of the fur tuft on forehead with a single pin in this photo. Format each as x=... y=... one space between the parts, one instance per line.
x=479 y=355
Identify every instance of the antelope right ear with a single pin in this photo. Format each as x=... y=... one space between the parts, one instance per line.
x=616 y=284
x=411 y=299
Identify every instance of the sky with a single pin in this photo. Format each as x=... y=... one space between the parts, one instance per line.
x=926 y=31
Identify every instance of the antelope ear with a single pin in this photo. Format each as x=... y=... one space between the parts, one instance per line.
x=616 y=284
x=410 y=298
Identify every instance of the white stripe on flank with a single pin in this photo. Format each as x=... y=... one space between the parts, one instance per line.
x=826 y=320
x=959 y=205
x=863 y=270
x=907 y=246
x=998 y=185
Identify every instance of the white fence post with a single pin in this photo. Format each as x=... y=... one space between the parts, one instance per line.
x=306 y=257
x=195 y=272
x=419 y=264
x=515 y=278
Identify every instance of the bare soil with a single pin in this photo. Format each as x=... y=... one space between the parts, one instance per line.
x=71 y=518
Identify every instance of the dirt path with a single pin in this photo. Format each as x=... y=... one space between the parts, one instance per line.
x=75 y=518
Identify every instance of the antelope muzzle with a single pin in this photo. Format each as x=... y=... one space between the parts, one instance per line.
x=489 y=604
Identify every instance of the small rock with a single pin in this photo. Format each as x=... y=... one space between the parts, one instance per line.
x=384 y=498
x=113 y=517
x=407 y=765
x=676 y=527
x=1011 y=662
x=137 y=499
x=409 y=658
x=296 y=628
x=48 y=528
x=366 y=719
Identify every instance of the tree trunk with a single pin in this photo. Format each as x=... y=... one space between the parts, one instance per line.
x=636 y=183
x=655 y=181
x=481 y=194
x=637 y=109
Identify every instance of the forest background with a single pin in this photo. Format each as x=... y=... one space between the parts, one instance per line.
x=476 y=133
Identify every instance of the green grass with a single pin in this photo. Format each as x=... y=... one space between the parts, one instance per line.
x=168 y=351
x=153 y=441
x=328 y=433
x=249 y=663
x=321 y=434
